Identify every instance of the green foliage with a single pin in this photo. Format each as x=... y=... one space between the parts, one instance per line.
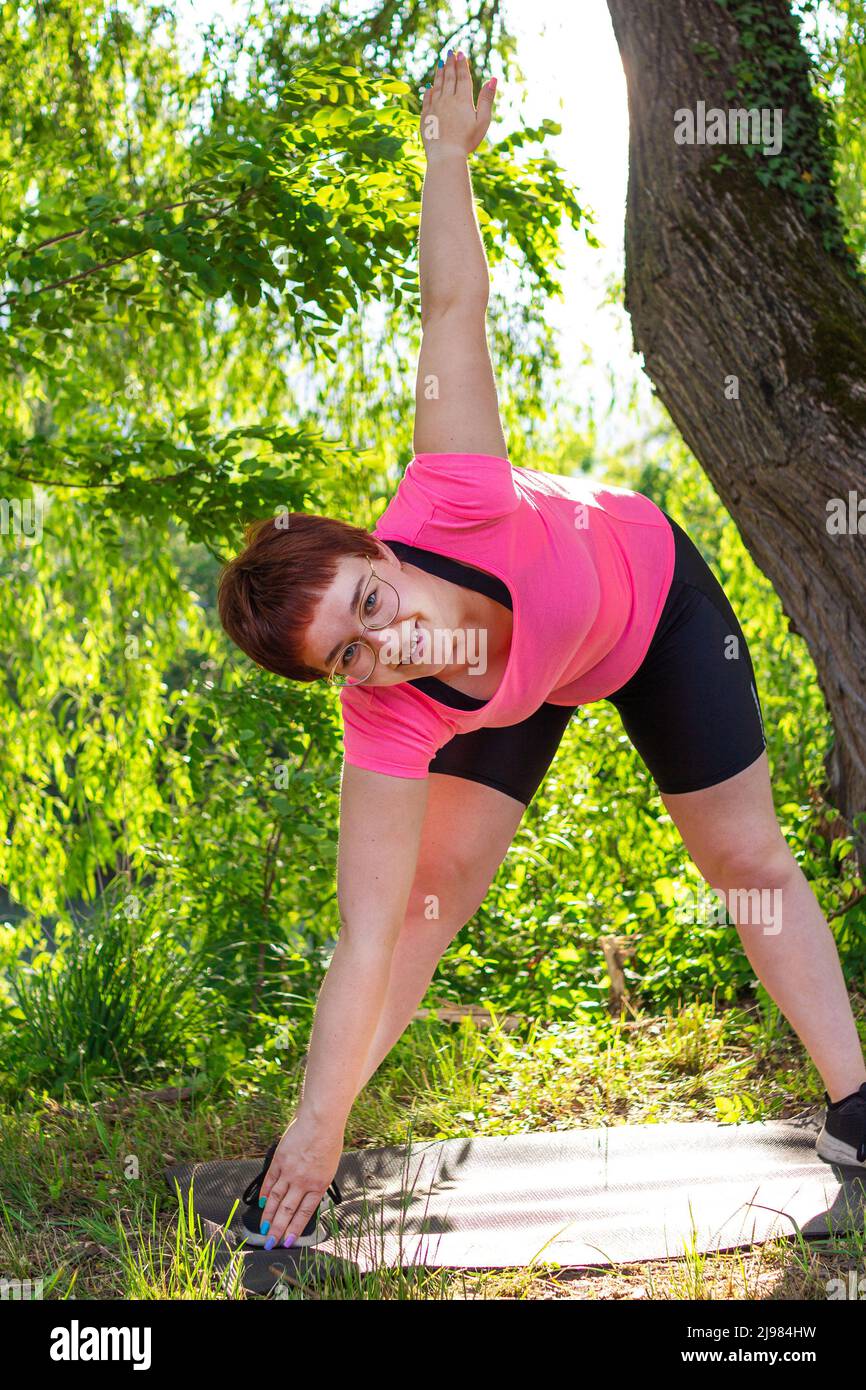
x=121 y=998
x=295 y=202
x=839 y=49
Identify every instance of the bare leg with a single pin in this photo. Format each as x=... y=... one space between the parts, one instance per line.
x=732 y=834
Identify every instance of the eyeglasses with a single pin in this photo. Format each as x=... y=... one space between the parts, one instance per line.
x=358 y=660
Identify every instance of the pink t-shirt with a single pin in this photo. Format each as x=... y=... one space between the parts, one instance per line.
x=588 y=568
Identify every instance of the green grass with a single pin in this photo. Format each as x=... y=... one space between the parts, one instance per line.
x=85 y=1206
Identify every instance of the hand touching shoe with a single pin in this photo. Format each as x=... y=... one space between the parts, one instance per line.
x=304 y=1164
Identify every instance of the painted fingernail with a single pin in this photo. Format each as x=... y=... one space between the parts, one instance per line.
x=269 y=1243
x=265 y=1227
x=450 y=51
x=289 y=1240
x=263 y=1201
x=440 y=63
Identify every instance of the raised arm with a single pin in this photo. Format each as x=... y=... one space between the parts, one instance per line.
x=456 y=406
x=381 y=820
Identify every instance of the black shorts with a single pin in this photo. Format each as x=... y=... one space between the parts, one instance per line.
x=691 y=709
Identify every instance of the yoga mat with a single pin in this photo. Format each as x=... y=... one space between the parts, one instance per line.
x=565 y=1197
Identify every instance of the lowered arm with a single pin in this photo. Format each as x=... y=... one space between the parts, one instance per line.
x=380 y=833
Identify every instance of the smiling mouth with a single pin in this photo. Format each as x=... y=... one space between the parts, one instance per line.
x=415 y=648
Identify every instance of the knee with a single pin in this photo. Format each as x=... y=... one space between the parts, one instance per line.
x=762 y=861
x=448 y=895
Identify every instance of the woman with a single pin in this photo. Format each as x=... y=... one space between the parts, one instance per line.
x=490 y=602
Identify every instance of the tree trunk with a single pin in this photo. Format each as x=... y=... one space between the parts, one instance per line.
x=730 y=273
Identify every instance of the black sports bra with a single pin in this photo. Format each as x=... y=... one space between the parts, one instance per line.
x=457 y=573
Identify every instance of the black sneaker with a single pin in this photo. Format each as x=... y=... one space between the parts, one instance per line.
x=843 y=1136
x=251 y=1216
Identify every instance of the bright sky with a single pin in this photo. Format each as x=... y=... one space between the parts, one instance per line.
x=574 y=76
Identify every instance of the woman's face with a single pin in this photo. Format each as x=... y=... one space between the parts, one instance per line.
x=404 y=648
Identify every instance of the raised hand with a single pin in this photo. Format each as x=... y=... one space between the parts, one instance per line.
x=449 y=118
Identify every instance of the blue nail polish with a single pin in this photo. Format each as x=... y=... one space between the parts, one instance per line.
x=263 y=1201
x=289 y=1240
x=450 y=51
x=441 y=63
x=265 y=1227
x=269 y=1243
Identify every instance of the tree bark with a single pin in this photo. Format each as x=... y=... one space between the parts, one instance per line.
x=728 y=278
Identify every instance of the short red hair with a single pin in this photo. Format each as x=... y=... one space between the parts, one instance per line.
x=268 y=594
